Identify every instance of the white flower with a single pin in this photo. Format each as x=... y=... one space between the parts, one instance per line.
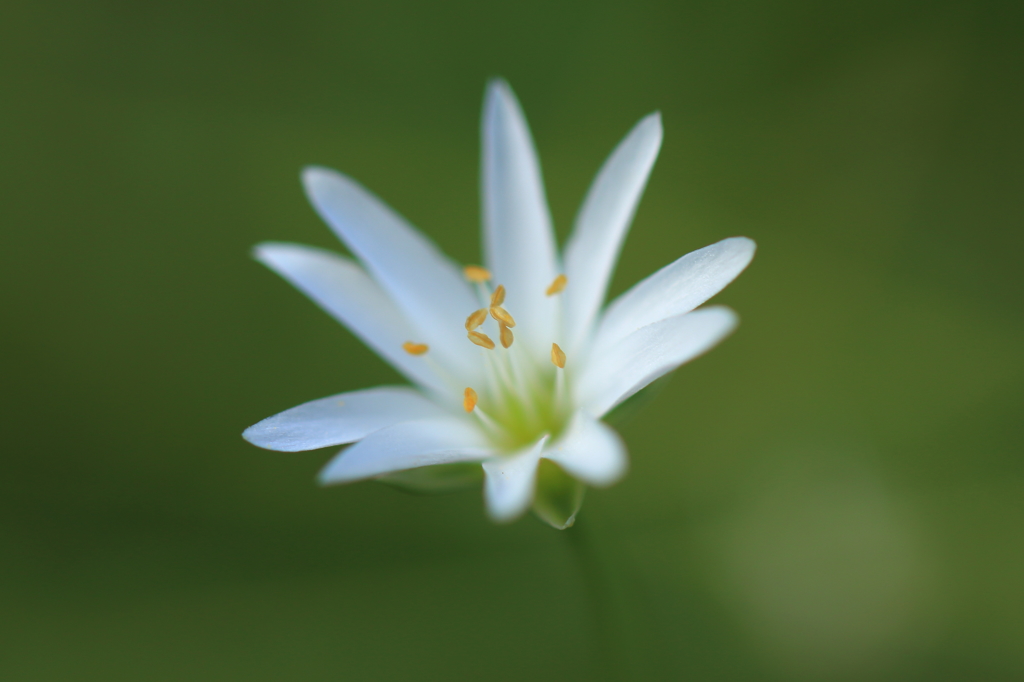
x=514 y=365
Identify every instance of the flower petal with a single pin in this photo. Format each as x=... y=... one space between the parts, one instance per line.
x=509 y=482
x=344 y=290
x=675 y=289
x=519 y=244
x=406 y=446
x=590 y=451
x=436 y=479
x=339 y=419
x=603 y=222
x=421 y=280
x=624 y=368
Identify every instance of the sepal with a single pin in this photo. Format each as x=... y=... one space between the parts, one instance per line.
x=558 y=495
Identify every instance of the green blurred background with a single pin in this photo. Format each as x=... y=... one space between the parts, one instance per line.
x=835 y=493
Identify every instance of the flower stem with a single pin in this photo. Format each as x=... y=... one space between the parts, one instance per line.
x=595 y=581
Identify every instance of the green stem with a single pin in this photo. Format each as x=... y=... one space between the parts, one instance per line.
x=595 y=582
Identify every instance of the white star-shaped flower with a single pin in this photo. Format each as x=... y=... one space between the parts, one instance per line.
x=512 y=365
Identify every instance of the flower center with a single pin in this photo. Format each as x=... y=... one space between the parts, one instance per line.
x=521 y=399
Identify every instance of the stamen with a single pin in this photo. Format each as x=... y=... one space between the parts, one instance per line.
x=476 y=319
x=498 y=374
x=557 y=356
x=488 y=423
x=498 y=297
x=475 y=273
x=506 y=336
x=481 y=340
x=469 y=399
x=524 y=380
x=415 y=348
x=557 y=285
x=502 y=316
x=559 y=390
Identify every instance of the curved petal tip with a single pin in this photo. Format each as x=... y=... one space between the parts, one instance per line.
x=652 y=123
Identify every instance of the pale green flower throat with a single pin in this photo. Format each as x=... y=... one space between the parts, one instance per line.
x=523 y=401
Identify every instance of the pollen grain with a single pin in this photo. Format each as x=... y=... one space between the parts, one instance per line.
x=481 y=340
x=506 y=336
x=498 y=297
x=557 y=285
x=502 y=316
x=415 y=348
x=476 y=319
x=557 y=356
x=469 y=399
x=475 y=273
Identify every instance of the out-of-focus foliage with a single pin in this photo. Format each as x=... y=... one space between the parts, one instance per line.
x=833 y=494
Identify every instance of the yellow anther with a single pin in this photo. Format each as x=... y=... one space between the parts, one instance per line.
x=557 y=356
x=476 y=319
x=557 y=285
x=506 y=336
x=502 y=316
x=498 y=297
x=475 y=273
x=469 y=399
x=415 y=348
x=481 y=340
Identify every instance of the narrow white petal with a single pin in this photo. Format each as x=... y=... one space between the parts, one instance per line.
x=518 y=240
x=603 y=222
x=675 y=289
x=590 y=451
x=344 y=290
x=406 y=446
x=510 y=481
x=339 y=419
x=620 y=370
x=424 y=284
